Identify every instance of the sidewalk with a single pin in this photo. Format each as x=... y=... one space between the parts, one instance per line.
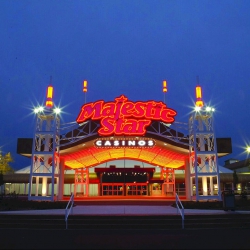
x=122 y=210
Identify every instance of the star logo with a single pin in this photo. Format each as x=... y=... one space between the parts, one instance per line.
x=122 y=98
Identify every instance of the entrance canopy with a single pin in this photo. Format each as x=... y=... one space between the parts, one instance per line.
x=84 y=152
x=87 y=155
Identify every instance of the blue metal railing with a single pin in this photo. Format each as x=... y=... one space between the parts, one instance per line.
x=69 y=209
x=180 y=208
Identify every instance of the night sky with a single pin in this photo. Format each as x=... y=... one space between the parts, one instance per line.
x=124 y=47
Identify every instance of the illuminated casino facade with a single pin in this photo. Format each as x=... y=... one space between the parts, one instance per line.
x=123 y=149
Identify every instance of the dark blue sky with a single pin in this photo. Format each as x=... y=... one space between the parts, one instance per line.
x=124 y=47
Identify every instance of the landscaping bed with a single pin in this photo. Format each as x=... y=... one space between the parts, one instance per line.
x=241 y=203
x=15 y=203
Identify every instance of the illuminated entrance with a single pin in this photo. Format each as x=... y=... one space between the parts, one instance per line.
x=140 y=181
x=115 y=181
x=124 y=181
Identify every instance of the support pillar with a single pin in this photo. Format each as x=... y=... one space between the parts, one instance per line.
x=204 y=185
x=211 y=186
x=44 y=186
x=61 y=179
x=37 y=185
x=81 y=182
x=187 y=180
x=168 y=176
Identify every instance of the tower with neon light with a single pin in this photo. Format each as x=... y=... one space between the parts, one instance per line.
x=167 y=174
x=203 y=158
x=45 y=152
x=81 y=185
x=164 y=89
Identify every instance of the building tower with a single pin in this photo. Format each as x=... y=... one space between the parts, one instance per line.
x=203 y=159
x=167 y=174
x=44 y=168
x=81 y=187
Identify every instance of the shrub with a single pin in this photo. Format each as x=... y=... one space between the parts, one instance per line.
x=10 y=203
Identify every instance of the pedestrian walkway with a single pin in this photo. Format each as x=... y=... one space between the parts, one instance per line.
x=123 y=210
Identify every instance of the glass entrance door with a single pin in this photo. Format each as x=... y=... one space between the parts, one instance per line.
x=112 y=189
x=131 y=189
x=135 y=189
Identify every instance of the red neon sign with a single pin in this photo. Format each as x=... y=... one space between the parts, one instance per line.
x=124 y=117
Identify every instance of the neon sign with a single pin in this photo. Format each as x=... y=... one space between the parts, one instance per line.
x=124 y=117
x=124 y=143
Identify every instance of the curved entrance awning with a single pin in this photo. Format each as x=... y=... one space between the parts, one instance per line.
x=86 y=155
x=165 y=153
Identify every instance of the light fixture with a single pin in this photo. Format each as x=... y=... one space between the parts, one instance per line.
x=57 y=110
x=199 y=102
x=209 y=109
x=38 y=109
x=197 y=108
x=49 y=102
x=85 y=85
x=164 y=86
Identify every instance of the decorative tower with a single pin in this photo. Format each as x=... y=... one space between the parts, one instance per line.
x=44 y=170
x=203 y=158
x=85 y=89
x=81 y=187
x=167 y=174
x=164 y=89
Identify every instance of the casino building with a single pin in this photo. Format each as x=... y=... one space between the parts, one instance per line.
x=123 y=149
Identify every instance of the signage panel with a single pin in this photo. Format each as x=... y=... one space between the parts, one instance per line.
x=124 y=117
x=124 y=143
